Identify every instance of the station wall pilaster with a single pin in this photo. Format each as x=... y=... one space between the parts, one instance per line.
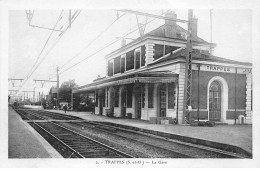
x=249 y=98
x=180 y=69
x=149 y=52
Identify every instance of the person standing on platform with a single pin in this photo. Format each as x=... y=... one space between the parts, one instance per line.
x=65 y=108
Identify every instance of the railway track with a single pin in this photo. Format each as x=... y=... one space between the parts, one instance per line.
x=44 y=115
x=176 y=149
x=25 y=115
x=169 y=148
x=71 y=144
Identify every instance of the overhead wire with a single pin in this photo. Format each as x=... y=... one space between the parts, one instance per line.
x=57 y=40
x=94 y=53
x=76 y=13
x=45 y=44
x=33 y=70
x=73 y=19
x=92 y=41
x=41 y=50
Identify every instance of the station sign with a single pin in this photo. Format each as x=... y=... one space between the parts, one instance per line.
x=219 y=68
x=244 y=70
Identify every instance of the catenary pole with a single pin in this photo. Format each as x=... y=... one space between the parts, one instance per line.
x=188 y=71
x=58 y=98
x=198 y=108
x=235 y=116
x=177 y=112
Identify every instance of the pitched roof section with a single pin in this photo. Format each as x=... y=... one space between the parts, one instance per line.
x=160 y=32
x=181 y=33
x=198 y=55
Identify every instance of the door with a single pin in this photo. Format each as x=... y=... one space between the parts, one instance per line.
x=163 y=100
x=215 y=101
x=101 y=99
x=138 y=101
x=123 y=102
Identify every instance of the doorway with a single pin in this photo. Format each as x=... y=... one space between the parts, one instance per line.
x=101 y=102
x=139 y=99
x=215 y=101
x=123 y=102
x=163 y=100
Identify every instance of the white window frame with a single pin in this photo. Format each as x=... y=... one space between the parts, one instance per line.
x=123 y=56
x=126 y=71
x=114 y=67
x=138 y=50
x=112 y=61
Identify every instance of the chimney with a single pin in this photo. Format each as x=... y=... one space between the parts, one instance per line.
x=170 y=26
x=194 y=26
x=123 y=42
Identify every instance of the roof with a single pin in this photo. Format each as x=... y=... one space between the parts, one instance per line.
x=198 y=55
x=180 y=34
x=138 y=77
x=161 y=33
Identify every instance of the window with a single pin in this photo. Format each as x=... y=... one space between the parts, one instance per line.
x=159 y=50
x=117 y=65
x=122 y=65
x=215 y=96
x=171 y=95
x=143 y=56
x=130 y=60
x=169 y=49
x=215 y=101
x=129 y=93
x=150 y=95
x=110 y=68
x=137 y=59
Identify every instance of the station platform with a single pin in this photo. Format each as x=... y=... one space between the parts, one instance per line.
x=25 y=142
x=234 y=135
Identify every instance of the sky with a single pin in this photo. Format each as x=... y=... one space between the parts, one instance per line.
x=231 y=30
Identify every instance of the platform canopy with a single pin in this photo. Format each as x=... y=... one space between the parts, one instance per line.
x=141 y=77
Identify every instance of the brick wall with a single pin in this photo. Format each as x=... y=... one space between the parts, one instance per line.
x=230 y=79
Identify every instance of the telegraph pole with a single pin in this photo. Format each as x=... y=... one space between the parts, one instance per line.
x=58 y=98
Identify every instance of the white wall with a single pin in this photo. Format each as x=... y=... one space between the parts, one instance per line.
x=117 y=112
x=130 y=110
x=96 y=110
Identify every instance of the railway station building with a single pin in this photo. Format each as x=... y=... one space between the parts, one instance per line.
x=145 y=80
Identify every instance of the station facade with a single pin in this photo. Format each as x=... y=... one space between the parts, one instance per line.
x=145 y=80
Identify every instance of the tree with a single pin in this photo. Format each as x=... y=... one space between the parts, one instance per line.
x=65 y=90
